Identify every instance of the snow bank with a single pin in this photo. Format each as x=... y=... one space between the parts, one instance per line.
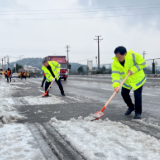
x=16 y=142
x=101 y=140
x=7 y=111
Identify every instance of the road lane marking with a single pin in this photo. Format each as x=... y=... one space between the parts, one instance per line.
x=146 y=94
x=41 y=91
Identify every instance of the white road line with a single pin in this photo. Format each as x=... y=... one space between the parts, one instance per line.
x=107 y=89
x=41 y=91
x=146 y=94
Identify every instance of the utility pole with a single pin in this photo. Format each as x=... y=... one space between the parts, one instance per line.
x=96 y=60
x=67 y=47
x=144 y=54
x=2 y=63
x=98 y=40
x=5 y=62
x=8 y=61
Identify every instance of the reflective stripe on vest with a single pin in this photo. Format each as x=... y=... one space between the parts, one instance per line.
x=138 y=68
x=141 y=81
x=134 y=61
x=48 y=79
x=116 y=81
x=118 y=72
x=144 y=63
x=126 y=85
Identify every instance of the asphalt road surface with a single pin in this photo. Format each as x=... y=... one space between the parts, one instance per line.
x=84 y=95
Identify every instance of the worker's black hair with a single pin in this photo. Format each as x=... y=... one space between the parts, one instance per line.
x=45 y=60
x=122 y=50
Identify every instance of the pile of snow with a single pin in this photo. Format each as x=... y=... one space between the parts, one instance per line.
x=17 y=142
x=7 y=111
x=100 y=140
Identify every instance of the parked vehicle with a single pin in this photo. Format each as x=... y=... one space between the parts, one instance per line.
x=14 y=75
x=1 y=72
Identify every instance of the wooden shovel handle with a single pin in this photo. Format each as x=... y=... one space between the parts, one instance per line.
x=115 y=92
x=51 y=83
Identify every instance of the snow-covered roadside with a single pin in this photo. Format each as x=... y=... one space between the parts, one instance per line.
x=101 y=140
x=16 y=142
x=7 y=111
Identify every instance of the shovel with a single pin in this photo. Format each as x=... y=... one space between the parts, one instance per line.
x=99 y=114
x=43 y=95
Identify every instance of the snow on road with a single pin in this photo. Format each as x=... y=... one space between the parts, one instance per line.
x=107 y=140
x=17 y=143
x=7 y=111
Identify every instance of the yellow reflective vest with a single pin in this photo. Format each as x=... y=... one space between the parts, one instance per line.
x=133 y=62
x=56 y=67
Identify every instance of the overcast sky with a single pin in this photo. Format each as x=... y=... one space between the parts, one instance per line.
x=37 y=28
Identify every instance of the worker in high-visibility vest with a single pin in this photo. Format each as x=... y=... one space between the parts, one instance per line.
x=52 y=70
x=133 y=63
x=8 y=75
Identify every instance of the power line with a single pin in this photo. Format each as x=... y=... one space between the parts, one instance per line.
x=115 y=7
x=101 y=10
x=141 y=14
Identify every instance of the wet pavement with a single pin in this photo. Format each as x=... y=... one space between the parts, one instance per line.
x=84 y=96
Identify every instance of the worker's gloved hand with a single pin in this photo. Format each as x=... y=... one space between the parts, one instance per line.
x=116 y=89
x=53 y=79
x=130 y=72
x=58 y=72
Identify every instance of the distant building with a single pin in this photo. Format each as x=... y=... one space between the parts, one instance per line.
x=31 y=69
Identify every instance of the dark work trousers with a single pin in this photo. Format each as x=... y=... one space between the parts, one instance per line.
x=8 y=77
x=44 y=78
x=23 y=77
x=137 y=96
x=58 y=83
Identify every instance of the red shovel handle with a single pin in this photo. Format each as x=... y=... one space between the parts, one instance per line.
x=103 y=109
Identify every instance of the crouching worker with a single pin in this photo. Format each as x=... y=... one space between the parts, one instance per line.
x=52 y=70
x=133 y=63
x=23 y=75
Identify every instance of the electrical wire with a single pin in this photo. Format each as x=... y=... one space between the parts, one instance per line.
x=115 y=7
x=87 y=11
x=141 y=14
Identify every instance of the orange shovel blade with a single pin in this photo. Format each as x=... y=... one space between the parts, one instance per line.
x=43 y=95
x=98 y=115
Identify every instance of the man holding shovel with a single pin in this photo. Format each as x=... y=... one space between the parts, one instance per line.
x=52 y=71
x=132 y=63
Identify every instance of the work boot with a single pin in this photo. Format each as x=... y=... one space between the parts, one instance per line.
x=129 y=111
x=137 y=116
x=62 y=94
